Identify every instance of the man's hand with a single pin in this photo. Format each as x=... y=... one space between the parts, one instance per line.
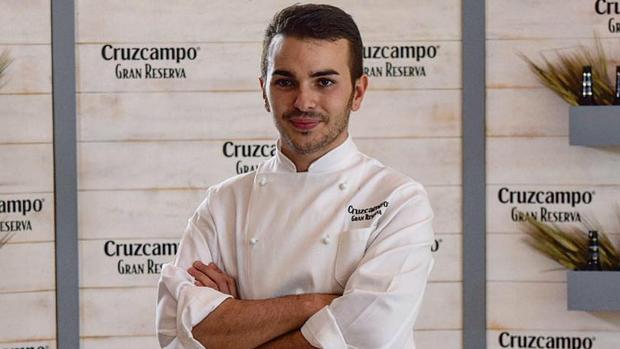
x=211 y=276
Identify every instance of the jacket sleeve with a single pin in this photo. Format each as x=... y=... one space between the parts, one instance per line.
x=383 y=295
x=180 y=304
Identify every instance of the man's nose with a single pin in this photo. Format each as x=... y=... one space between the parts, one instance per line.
x=305 y=99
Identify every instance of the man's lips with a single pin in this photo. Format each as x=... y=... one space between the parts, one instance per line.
x=304 y=123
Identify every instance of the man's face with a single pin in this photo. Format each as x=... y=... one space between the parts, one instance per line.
x=308 y=90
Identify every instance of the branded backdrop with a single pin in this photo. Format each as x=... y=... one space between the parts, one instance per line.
x=530 y=165
x=154 y=133
x=27 y=286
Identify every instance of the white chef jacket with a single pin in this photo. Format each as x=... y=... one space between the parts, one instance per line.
x=349 y=225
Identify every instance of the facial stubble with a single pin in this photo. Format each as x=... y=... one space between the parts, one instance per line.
x=325 y=141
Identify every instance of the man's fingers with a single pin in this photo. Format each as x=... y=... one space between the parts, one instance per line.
x=232 y=286
x=214 y=274
x=202 y=278
x=230 y=281
x=218 y=277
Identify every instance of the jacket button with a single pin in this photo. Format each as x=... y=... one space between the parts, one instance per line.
x=253 y=241
x=262 y=181
x=342 y=186
x=326 y=240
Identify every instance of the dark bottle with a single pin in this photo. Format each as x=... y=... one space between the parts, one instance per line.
x=587 y=93
x=617 y=96
x=594 y=262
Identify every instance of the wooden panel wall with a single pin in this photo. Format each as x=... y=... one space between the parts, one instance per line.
x=528 y=150
x=148 y=148
x=27 y=286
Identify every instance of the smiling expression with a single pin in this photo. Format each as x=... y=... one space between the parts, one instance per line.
x=308 y=90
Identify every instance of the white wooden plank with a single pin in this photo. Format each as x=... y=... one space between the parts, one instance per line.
x=217 y=67
x=447 y=207
x=25 y=22
x=246 y=21
x=30 y=71
x=26 y=118
x=448 y=258
x=441 y=72
x=173 y=116
x=143 y=165
x=27 y=267
x=157 y=164
x=136 y=213
x=540 y=306
x=506 y=69
x=35 y=225
x=144 y=342
x=47 y=344
x=531 y=19
x=578 y=339
x=549 y=161
x=527 y=112
x=419 y=113
x=123 y=263
x=441 y=307
x=27 y=168
x=240 y=115
x=117 y=312
x=27 y=316
x=438 y=339
x=419 y=158
x=235 y=67
x=510 y=258
x=591 y=202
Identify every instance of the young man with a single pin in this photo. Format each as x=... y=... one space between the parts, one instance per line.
x=321 y=246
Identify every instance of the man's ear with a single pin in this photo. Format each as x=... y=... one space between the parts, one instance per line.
x=359 y=91
x=262 y=87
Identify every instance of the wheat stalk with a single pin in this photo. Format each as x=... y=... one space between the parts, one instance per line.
x=569 y=246
x=563 y=75
x=5 y=61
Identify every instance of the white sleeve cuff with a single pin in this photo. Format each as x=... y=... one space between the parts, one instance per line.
x=195 y=303
x=322 y=331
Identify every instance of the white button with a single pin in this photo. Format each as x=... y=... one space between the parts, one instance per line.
x=326 y=240
x=253 y=241
x=262 y=181
x=342 y=185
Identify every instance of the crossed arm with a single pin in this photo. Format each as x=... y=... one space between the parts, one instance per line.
x=266 y=324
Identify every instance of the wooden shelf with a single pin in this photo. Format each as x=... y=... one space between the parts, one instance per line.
x=593 y=290
x=597 y=125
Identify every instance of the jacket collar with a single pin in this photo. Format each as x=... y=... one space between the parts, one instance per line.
x=336 y=159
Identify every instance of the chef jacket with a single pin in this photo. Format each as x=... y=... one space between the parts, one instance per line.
x=349 y=225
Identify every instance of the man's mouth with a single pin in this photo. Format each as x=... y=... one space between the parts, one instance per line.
x=304 y=123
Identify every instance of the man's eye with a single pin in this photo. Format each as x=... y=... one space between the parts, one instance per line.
x=283 y=83
x=325 y=82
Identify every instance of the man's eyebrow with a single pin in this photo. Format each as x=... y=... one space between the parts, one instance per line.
x=283 y=73
x=313 y=75
x=324 y=73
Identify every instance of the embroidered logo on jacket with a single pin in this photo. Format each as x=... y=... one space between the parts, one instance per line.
x=366 y=214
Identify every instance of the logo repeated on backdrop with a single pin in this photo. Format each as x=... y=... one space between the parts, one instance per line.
x=543 y=198
x=15 y=216
x=248 y=155
x=611 y=11
x=149 y=62
x=27 y=346
x=398 y=60
x=508 y=340
x=137 y=258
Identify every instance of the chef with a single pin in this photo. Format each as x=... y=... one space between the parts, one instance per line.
x=321 y=246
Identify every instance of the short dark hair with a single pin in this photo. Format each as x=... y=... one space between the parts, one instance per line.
x=323 y=22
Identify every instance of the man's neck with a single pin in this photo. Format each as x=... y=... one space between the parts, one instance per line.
x=303 y=161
